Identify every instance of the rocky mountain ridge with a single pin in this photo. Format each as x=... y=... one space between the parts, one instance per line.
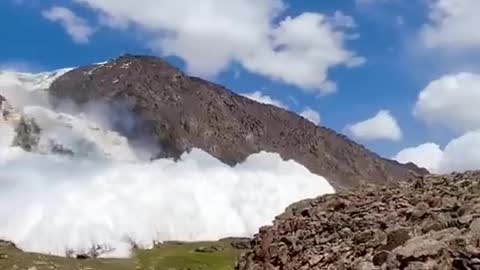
x=180 y=113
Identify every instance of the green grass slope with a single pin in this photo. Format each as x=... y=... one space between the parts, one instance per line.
x=169 y=256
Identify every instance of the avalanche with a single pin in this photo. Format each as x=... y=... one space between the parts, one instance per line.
x=104 y=193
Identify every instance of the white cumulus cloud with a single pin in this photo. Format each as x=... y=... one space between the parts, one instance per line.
x=427 y=156
x=452 y=24
x=381 y=126
x=311 y=115
x=77 y=27
x=341 y=19
x=211 y=35
x=265 y=99
x=451 y=101
x=460 y=154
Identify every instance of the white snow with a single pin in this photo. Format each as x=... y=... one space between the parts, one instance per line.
x=107 y=195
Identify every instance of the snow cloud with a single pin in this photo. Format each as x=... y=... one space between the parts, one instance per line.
x=210 y=36
x=70 y=204
x=381 y=126
x=77 y=27
x=104 y=195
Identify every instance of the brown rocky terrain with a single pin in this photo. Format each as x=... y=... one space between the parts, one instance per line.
x=430 y=222
x=182 y=112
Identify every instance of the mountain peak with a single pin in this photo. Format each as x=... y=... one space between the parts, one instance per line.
x=183 y=112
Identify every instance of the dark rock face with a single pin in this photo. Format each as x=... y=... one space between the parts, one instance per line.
x=8 y=244
x=431 y=222
x=27 y=131
x=183 y=112
x=28 y=134
x=6 y=110
x=3 y=108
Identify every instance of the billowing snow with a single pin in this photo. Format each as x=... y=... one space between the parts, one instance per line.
x=107 y=195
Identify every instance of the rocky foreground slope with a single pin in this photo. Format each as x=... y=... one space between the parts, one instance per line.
x=431 y=222
x=181 y=112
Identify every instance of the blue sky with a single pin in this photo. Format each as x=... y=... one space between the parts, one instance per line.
x=399 y=58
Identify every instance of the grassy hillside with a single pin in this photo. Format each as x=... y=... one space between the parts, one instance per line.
x=169 y=256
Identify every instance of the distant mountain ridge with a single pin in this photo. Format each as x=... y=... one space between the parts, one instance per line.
x=181 y=112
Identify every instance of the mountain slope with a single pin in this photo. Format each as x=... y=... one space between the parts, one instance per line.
x=430 y=222
x=181 y=112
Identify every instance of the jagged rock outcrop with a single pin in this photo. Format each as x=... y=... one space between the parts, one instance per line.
x=430 y=222
x=27 y=134
x=36 y=129
x=182 y=112
x=7 y=112
x=27 y=131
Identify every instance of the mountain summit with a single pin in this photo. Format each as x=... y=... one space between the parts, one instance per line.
x=181 y=112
